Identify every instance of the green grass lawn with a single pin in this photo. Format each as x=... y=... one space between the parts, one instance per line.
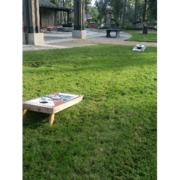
x=140 y=37
x=111 y=133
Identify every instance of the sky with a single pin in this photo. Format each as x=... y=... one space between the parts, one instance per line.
x=92 y=2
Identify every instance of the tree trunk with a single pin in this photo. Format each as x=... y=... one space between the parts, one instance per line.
x=115 y=13
x=124 y=13
x=135 y=11
x=100 y=11
x=144 y=12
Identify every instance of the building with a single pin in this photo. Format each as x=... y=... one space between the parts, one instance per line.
x=50 y=13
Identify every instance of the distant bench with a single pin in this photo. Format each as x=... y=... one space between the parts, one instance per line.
x=113 y=30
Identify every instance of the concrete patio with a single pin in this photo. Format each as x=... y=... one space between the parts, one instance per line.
x=61 y=40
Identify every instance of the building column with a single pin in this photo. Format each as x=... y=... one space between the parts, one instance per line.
x=67 y=17
x=32 y=22
x=79 y=15
x=61 y=18
x=79 y=20
x=25 y=21
x=40 y=18
x=61 y=21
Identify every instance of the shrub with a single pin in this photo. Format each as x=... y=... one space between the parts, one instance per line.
x=105 y=27
x=128 y=25
x=89 y=23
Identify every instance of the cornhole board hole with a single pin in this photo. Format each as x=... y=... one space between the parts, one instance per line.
x=51 y=104
x=139 y=47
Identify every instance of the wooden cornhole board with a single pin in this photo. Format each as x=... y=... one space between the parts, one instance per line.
x=139 y=47
x=51 y=104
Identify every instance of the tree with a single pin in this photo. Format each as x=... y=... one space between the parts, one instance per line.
x=152 y=9
x=94 y=13
x=144 y=11
x=54 y=2
x=68 y=3
x=135 y=10
x=87 y=4
x=124 y=12
x=130 y=10
x=138 y=11
x=101 y=8
x=118 y=8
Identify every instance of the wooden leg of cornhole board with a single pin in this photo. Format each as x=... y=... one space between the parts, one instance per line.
x=51 y=119
x=24 y=113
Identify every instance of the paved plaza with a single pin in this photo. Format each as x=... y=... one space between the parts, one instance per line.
x=61 y=40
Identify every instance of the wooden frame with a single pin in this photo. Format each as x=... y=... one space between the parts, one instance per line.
x=50 y=110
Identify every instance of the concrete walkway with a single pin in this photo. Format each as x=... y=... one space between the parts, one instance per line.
x=61 y=40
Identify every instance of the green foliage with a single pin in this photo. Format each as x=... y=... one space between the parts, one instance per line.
x=130 y=10
x=94 y=13
x=100 y=6
x=140 y=7
x=87 y=4
x=54 y=2
x=98 y=21
x=89 y=24
x=152 y=9
x=112 y=133
x=72 y=19
x=117 y=6
x=128 y=25
x=68 y=3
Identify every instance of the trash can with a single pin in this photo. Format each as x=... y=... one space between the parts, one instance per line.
x=145 y=30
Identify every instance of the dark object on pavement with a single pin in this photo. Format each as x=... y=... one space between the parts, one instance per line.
x=67 y=25
x=117 y=30
x=114 y=29
x=145 y=30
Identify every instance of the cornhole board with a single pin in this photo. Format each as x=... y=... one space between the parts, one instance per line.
x=139 y=47
x=51 y=104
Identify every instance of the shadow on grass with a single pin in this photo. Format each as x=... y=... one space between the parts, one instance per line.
x=34 y=119
x=125 y=136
